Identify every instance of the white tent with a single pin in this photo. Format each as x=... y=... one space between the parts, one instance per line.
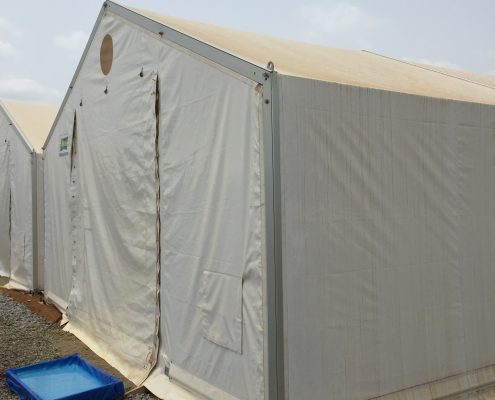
x=253 y=218
x=24 y=128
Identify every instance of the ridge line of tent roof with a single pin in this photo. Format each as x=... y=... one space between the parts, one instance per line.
x=427 y=68
x=319 y=62
x=14 y=123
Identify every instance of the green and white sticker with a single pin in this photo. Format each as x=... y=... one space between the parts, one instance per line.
x=64 y=145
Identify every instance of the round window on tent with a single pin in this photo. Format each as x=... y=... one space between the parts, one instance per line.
x=106 y=54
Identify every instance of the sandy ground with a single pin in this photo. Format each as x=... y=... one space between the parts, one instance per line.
x=30 y=332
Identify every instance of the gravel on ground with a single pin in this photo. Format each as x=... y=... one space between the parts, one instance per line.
x=27 y=338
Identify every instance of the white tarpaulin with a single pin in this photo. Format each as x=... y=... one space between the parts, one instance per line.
x=157 y=236
x=58 y=243
x=21 y=228
x=23 y=127
x=4 y=199
x=16 y=230
x=113 y=304
x=211 y=277
x=389 y=236
x=211 y=210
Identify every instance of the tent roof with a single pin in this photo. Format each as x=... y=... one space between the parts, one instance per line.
x=356 y=68
x=33 y=120
x=482 y=79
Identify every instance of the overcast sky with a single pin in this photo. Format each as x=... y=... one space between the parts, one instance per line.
x=42 y=41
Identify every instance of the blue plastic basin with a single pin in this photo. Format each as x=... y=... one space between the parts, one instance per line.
x=70 y=377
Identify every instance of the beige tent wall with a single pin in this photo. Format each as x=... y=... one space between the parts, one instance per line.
x=388 y=239
x=388 y=217
x=21 y=225
x=211 y=280
x=58 y=245
x=24 y=128
x=101 y=217
x=113 y=303
x=4 y=198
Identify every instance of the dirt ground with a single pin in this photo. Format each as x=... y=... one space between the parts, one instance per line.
x=64 y=342
x=35 y=303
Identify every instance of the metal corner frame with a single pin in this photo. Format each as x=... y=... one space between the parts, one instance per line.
x=34 y=217
x=38 y=216
x=273 y=219
x=271 y=140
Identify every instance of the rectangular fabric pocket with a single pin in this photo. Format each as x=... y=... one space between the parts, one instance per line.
x=221 y=307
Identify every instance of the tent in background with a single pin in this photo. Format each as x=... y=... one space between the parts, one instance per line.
x=247 y=217
x=23 y=129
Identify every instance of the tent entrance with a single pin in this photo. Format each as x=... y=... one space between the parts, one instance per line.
x=114 y=198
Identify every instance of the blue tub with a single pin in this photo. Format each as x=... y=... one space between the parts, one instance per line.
x=67 y=378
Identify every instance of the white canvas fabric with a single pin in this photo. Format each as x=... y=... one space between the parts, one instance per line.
x=58 y=244
x=23 y=127
x=387 y=219
x=211 y=209
x=389 y=214
x=21 y=228
x=160 y=384
x=4 y=199
x=113 y=305
x=209 y=133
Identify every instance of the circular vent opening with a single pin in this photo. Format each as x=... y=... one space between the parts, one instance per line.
x=106 y=54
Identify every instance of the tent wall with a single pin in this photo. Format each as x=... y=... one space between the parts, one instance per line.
x=113 y=303
x=58 y=244
x=23 y=127
x=21 y=222
x=388 y=239
x=387 y=220
x=4 y=198
x=212 y=267
x=101 y=217
x=21 y=192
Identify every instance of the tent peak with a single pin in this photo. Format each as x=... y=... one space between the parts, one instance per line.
x=32 y=120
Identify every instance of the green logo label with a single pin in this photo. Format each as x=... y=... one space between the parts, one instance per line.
x=64 y=145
